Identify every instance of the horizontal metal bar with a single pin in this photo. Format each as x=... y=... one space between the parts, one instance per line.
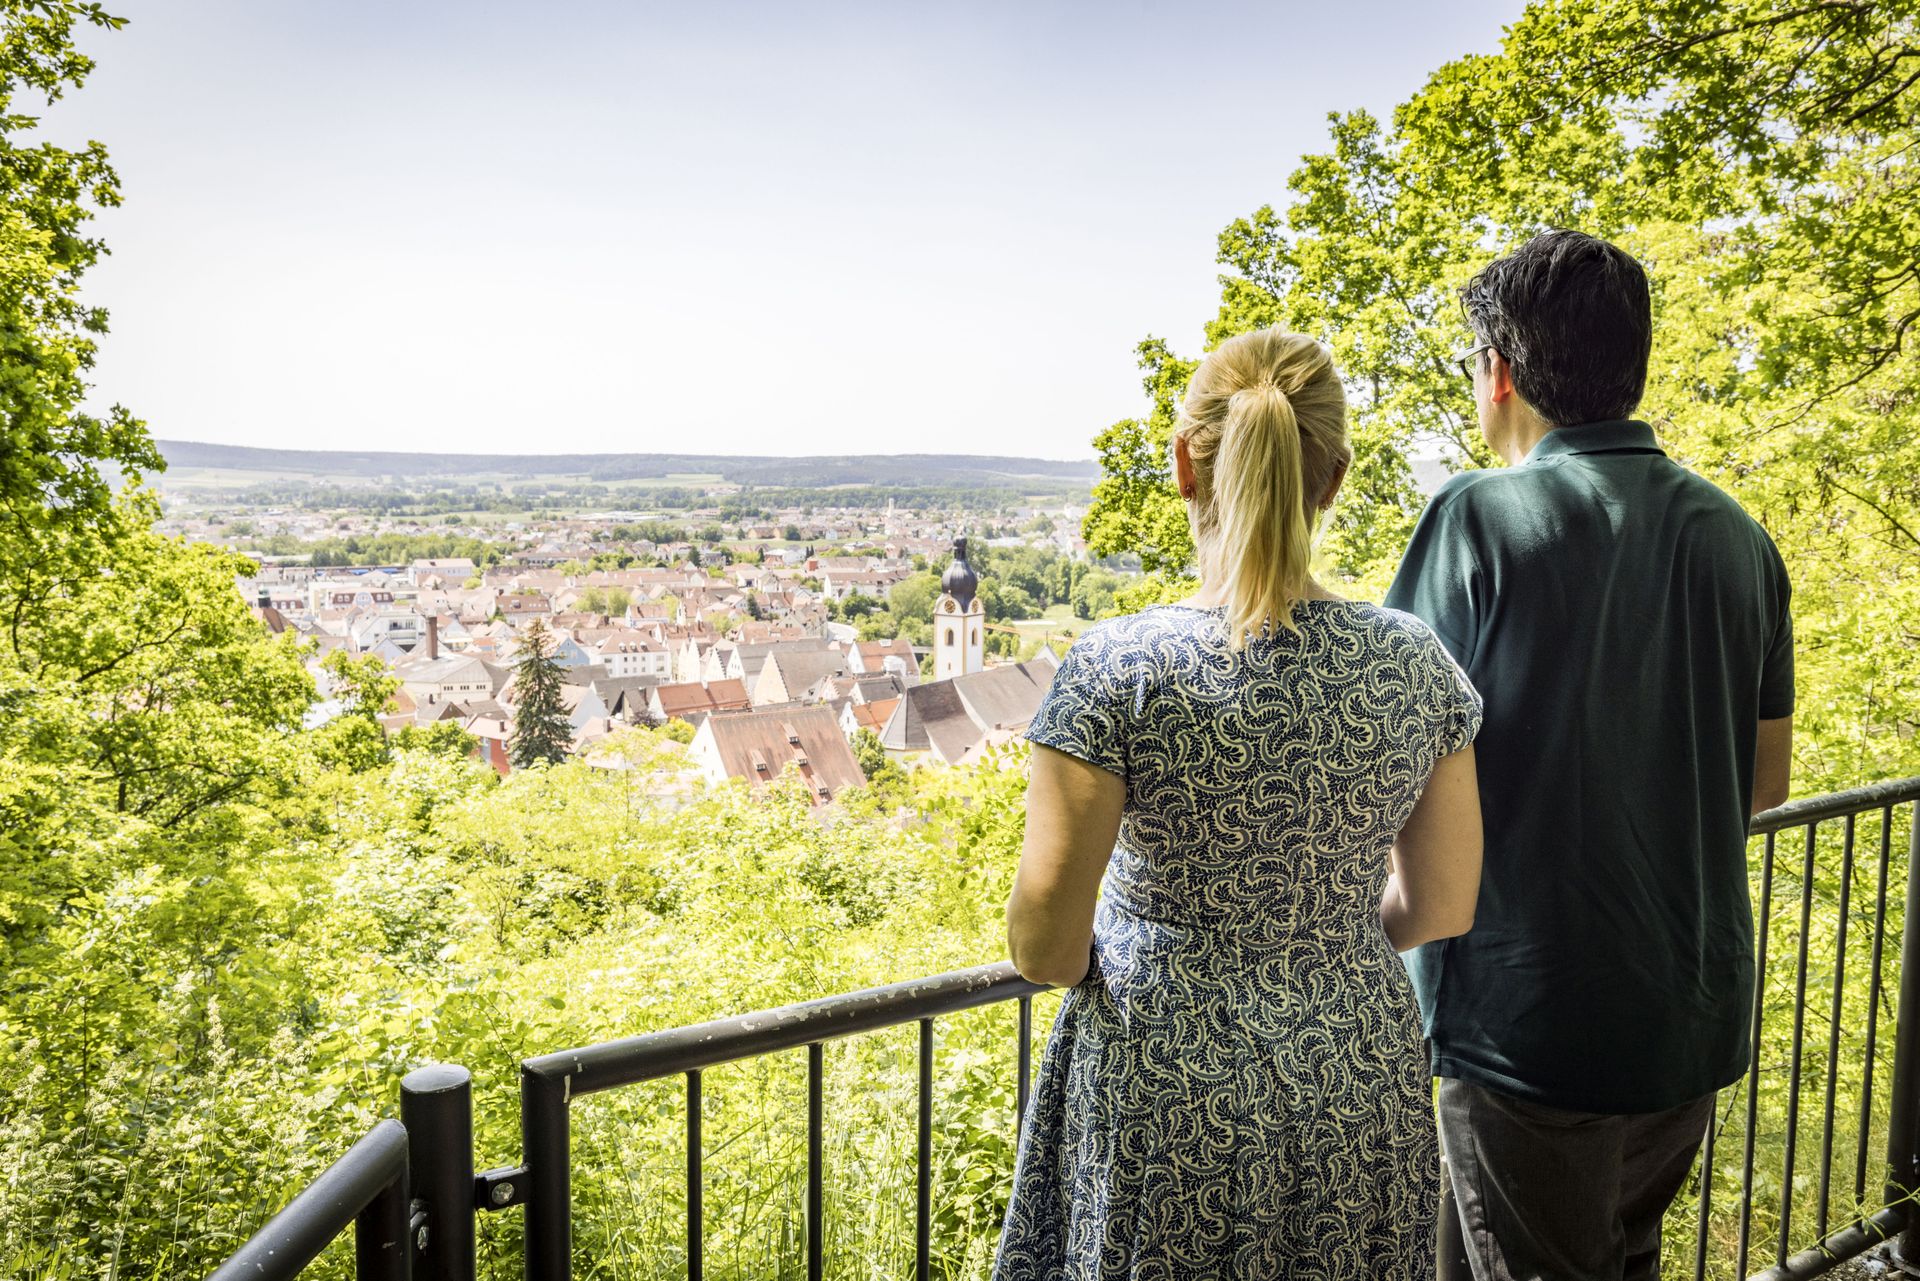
x=1848 y=1243
x=656 y=1054
x=294 y=1237
x=667 y=1053
x=1855 y=800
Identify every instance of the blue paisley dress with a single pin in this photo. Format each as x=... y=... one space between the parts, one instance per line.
x=1238 y=1090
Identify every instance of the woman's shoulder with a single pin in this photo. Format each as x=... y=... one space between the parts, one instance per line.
x=1150 y=628
x=1141 y=642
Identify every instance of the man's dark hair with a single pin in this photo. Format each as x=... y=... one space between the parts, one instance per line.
x=1574 y=319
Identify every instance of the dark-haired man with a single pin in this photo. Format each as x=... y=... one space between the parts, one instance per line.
x=1627 y=624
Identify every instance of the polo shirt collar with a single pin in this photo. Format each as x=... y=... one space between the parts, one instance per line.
x=1622 y=435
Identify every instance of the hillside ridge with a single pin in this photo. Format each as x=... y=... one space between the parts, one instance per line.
x=818 y=469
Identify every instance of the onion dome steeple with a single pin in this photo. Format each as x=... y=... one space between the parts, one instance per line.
x=960 y=582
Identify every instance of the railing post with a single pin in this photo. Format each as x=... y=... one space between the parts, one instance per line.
x=545 y=1146
x=436 y=1106
x=381 y=1251
x=1903 y=1121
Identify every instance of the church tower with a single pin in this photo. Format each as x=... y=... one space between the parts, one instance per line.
x=959 y=620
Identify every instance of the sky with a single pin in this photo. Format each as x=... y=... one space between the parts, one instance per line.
x=740 y=228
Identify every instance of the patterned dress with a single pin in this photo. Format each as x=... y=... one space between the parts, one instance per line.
x=1238 y=1089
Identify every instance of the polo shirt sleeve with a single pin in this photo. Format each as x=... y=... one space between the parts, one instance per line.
x=1083 y=712
x=1776 y=670
x=1439 y=576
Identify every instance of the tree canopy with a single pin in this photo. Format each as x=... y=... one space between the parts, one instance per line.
x=1759 y=159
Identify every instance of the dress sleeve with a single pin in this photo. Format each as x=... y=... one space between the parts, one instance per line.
x=1082 y=713
x=1454 y=706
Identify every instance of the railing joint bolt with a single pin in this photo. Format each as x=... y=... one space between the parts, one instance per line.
x=500 y=1189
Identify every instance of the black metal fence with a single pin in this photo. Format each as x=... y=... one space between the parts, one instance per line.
x=410 y=1190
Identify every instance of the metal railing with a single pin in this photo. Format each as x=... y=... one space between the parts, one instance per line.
x=1902 y=1181
x=366 y=1188
x=413 y=1181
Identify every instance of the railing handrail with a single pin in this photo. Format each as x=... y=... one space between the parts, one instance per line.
x=1855 y=800
x=744 y=1036
x=368 y=1184
x=609 y=1064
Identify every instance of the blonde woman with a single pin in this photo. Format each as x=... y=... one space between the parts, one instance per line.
x=1270 y=790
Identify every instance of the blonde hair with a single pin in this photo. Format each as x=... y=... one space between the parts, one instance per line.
x=1265 y=421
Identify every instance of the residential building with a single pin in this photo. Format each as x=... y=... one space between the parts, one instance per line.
x=694 y=700
x=760 y=746
x=947 y=719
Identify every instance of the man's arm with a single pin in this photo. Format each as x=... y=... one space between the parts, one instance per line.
x=1437 y=578
x=1772 y=763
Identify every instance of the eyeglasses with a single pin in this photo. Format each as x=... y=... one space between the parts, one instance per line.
x=1468 y=359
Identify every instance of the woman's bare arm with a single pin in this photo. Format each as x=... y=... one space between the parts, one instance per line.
x=1434 y=880
x=1073 y=818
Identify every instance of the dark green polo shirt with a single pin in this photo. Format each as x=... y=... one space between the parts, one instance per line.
x=1627 y=624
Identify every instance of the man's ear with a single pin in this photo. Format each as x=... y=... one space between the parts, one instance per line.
x=1183 y=480
x=1499 y=377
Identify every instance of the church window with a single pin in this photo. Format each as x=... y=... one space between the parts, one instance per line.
x=949 y=635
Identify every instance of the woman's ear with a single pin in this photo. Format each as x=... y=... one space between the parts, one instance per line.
x=1333 y=486
x=1183 y=469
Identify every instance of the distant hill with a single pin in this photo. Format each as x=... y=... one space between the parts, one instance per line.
x=818 y=470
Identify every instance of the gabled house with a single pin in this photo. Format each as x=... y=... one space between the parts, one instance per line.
x=695 y=699
x=892 y=655
x=947 y=719
x=632 y=653
x=760 y=746
x=855 y=717
x=786 y=676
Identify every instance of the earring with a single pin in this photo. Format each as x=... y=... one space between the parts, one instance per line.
x=1187 y=493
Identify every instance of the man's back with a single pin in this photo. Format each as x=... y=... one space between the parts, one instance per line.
x=1628 y=627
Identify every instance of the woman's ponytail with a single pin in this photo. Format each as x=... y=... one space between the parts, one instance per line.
x=1265 y=425
x=1260 y=545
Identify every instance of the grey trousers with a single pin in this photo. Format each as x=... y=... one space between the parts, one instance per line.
x=1545 y=1194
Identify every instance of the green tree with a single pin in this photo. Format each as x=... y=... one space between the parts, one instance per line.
x=1760 y=159
x=868 y=752
x=363 y=686
x=541 y=733
x=1093 y=593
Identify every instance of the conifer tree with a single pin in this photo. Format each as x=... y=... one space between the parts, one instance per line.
x=540 y=729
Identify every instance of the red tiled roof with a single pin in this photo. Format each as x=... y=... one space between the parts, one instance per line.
x=758 y=746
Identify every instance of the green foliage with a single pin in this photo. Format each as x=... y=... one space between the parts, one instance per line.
x=355 y=739
x=541 y=731
x=1759 y=158
x=612 y=601
x=381 y=548
x=442 y=738
x=1093 y=593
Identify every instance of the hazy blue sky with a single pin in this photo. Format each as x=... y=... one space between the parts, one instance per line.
x=739 y=228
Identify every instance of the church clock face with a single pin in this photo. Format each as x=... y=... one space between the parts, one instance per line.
x=949 y=605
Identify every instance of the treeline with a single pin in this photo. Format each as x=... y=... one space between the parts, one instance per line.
x=429 y=499
x=964 y=470
x=384 y=549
